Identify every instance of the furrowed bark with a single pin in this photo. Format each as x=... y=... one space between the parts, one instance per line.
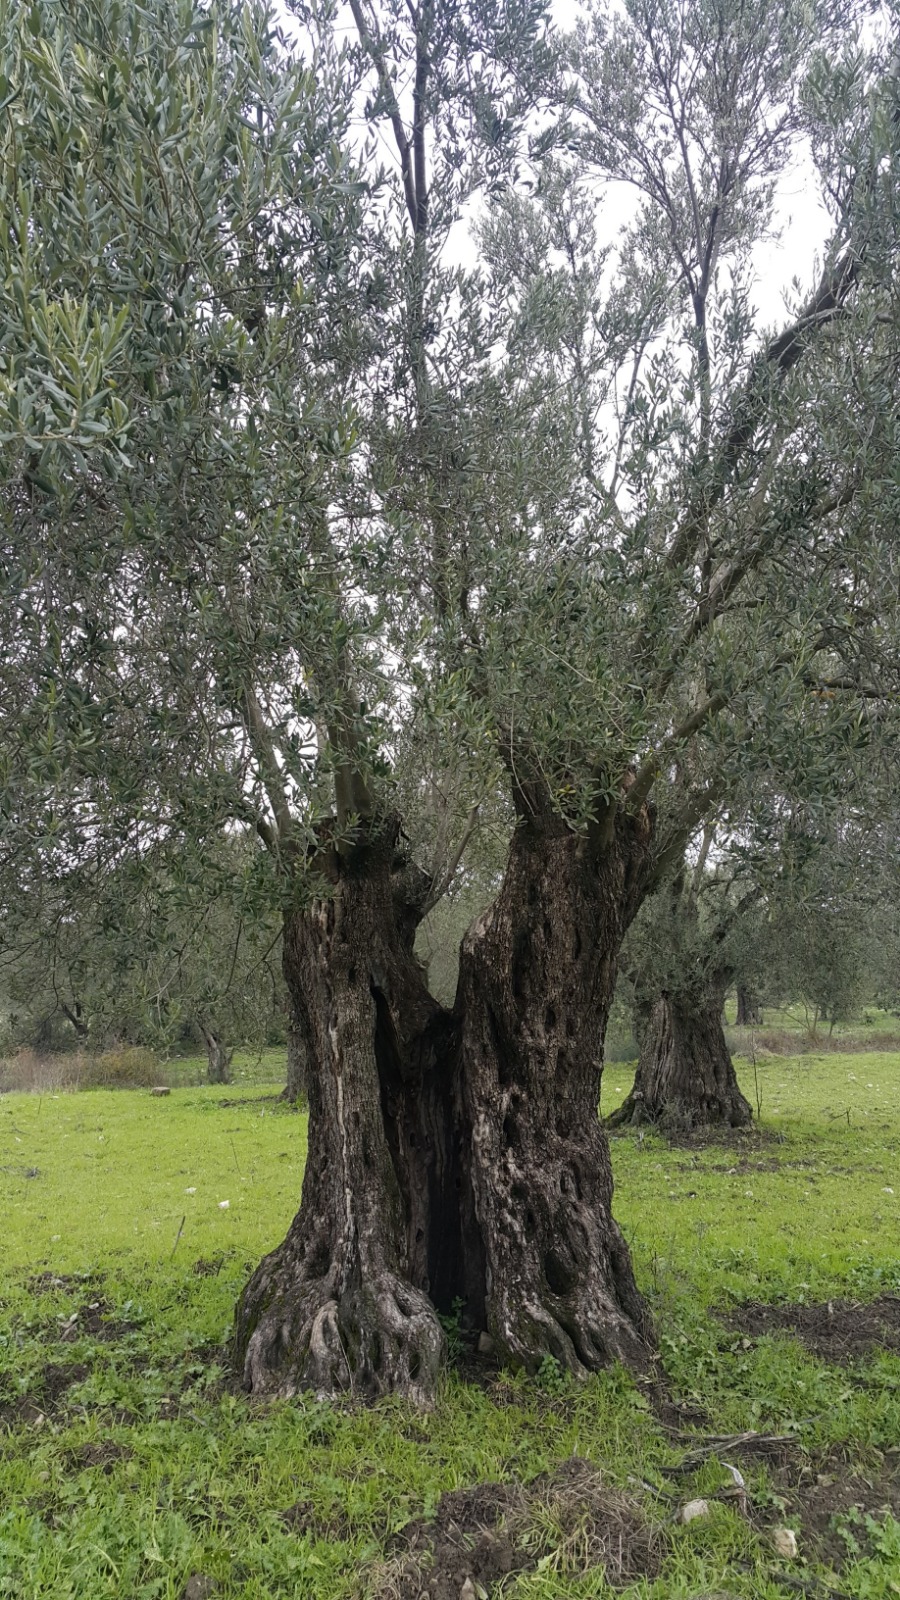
x=749 y=1010
x=337 y=1307
x=218 y=1058
x=685 y=1076
x=537 y=976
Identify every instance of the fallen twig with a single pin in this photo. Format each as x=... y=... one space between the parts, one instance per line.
x=716 y=1443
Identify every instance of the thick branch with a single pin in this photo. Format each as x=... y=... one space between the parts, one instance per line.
x=651 y=765
x=440 y=884
x=731 y=574
x=273 y=783
x=697 y=805
x=753 y=402
x=375 y=51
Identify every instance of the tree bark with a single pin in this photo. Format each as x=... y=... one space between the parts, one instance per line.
x=341 y=1304
x=73 y=1015
x=454 y=1157
x=749 y=1010
x=218 y=1059
x=685 y=1076
x=537 y=975
x=296 y=1085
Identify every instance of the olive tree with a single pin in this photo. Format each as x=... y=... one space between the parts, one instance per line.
x=305 y=525
x=156 y=950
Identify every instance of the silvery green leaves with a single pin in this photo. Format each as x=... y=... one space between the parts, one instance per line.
x=148 y=156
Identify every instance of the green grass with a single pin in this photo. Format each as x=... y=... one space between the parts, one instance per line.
x=98 y=1183
x=247 y=1066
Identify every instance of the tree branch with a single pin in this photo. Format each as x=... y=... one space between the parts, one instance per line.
x=649 y=768
x=440 y=885
x=374 y=48
x=264 y=748
x=751 y=405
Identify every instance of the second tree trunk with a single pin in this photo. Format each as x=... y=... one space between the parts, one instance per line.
x=685 y=1076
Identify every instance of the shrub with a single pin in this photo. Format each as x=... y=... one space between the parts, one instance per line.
x=27 y=1072
x=128 y=1068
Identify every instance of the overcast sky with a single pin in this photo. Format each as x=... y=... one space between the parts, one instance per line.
x=801 y=223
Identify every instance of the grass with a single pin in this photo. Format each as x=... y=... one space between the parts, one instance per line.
x=145 y=1469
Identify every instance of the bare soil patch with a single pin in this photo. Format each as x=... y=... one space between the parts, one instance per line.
x=712 y=1136
x=92 y=1320
x=100 y=1453
x=302 y=1517
x=44 y=1395
x=830 y=1500
x=55 y=1282
x=838 y=1331
x=482 y=1535
x=208 y=1267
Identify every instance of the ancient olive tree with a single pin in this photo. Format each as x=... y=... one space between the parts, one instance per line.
x=678 y=969
x=305 y=525
x=773 y=898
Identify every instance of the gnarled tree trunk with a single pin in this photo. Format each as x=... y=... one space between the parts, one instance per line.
x=685 y=1076
x=218 y=1058
x=339 y=1305
x=454 y=1156
x=749 y=1010
x=537 y=976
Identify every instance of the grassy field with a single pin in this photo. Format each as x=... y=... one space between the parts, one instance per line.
x=129 y=1467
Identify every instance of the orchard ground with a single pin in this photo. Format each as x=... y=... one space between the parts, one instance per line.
x=130 y=1467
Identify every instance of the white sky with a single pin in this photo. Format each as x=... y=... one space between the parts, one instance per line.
x=801 y=223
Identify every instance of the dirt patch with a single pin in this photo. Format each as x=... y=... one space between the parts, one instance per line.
x=93 y=1321
x=838 y=1330
x=99 y=1453
x=54 y=1282
x=483 y=1535
x=257 y=1100
x=714 y=1137
x=681 y=1417
x=830 y=1499
x=43 y=1396
x=709 y=1137
x=772 y=1164
x=302 y=1517
x=22 y=1412
x=208 y=1267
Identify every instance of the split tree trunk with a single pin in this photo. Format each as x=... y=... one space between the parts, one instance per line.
x=685 y=1076
x=537 y=976
x=455 y=1156
x=218 y=1059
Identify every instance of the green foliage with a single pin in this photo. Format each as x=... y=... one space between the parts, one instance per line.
x=154 y=951
x=298 y=519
